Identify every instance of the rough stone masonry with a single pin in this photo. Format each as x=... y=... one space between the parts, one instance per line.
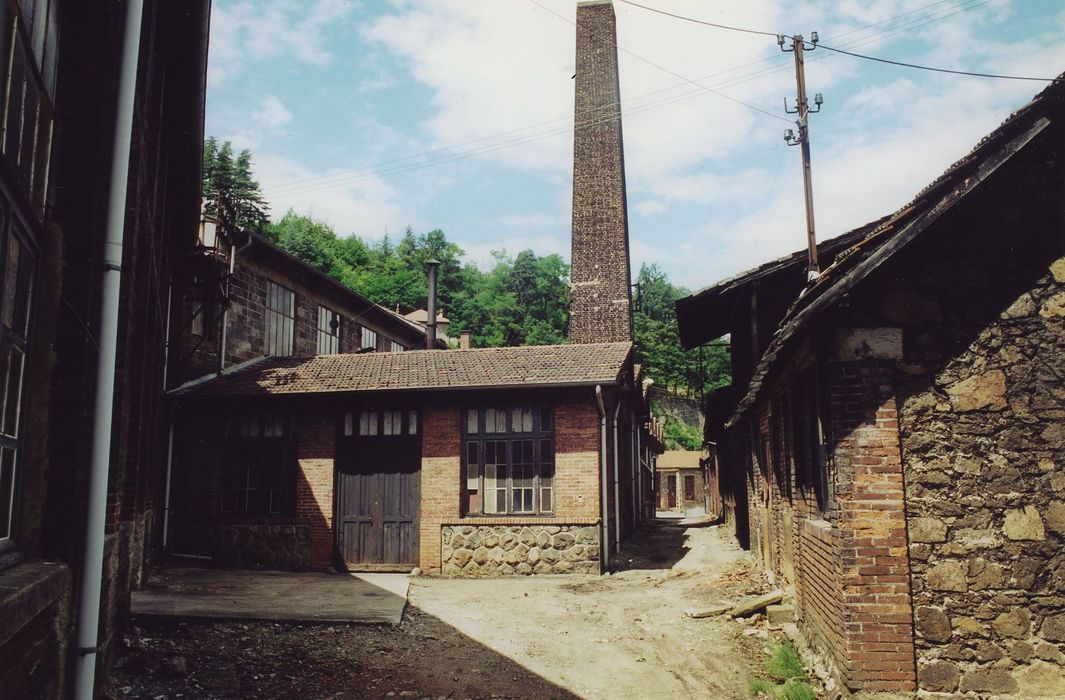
x=600 y=310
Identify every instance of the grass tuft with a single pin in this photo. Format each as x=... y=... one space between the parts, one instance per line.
x=758 y=687
x=795 y=689
x=784 y=663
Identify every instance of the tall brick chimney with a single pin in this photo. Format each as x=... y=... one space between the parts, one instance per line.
x=600 y=310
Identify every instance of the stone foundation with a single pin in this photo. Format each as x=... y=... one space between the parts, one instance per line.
x=511 y=550
x=284 y=547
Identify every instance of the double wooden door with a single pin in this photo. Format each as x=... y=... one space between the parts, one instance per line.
x=377 y=501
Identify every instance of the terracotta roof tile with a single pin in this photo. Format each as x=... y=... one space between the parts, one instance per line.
x=545 y=365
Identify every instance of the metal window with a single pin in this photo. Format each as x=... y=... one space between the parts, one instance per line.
x=258 y=474
x=280 y=319
x=16 y=292
x=509 y=461
x=369 y=339
x=328 y=331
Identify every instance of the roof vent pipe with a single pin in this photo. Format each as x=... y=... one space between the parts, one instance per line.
x=430 y=323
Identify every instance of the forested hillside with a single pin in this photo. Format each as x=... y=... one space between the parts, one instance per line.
x=521 y=299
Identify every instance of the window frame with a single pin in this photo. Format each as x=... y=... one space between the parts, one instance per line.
x=366 y=334
x=279 y=327
x=249 y=457
x=388 y=422
x=326 y=335
x=474 y=501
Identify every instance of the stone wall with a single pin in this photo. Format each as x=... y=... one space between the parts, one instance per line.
x=984 y=443
x=509 y=550
x=264 y=545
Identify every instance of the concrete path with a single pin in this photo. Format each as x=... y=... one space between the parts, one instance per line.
x=230 y=594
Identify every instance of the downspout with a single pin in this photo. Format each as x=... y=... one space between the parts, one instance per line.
x=88 y=621
x=225 y=312
x=632 y=470
x=617 y=495
x=639 y=470
x=169 y=471
x=604 y=536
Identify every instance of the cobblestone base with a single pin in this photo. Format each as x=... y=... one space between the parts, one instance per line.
x=509 y=550
x=264 y=546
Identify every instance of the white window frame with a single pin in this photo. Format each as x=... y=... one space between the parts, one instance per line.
x=328 y=339
x=280 y=320
x=368 y=338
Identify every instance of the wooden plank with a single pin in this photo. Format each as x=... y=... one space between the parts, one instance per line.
x=753 y=605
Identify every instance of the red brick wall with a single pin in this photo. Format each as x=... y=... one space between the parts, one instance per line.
x=314 y=483
x=872 y=527
x=441 y=480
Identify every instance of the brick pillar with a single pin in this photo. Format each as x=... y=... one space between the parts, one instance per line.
x=600 y=310
x=440 y=481
x=876 y=607
x=314 y=486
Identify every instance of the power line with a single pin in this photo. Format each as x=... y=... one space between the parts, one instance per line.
x=649 y=62
x=417 y=161
x=847 y=53
x=699 y=21
x=938 y=70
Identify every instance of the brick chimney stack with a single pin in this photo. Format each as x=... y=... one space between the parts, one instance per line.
x=600 y=310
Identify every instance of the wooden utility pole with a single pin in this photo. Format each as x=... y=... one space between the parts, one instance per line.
x=802 y=108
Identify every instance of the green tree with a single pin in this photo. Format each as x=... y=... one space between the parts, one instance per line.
x=232 y=176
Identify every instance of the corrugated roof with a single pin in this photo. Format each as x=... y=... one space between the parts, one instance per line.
x=892 y=233
x=478 y=368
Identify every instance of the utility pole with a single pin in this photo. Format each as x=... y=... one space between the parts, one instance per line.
x=802 y=108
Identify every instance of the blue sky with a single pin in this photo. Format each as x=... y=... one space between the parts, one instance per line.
x=458 y=115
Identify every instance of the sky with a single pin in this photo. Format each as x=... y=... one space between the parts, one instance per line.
x=377 y=115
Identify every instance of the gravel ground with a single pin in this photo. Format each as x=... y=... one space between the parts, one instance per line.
x=626 y=635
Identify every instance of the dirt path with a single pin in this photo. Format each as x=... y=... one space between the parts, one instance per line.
x=626 y=635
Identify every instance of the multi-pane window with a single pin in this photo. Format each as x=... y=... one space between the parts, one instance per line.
x=369 y=339
x=393 y=346
x=280 y=319
x=370 y=423
x=328 y=331
x=508 y=461
x=259 y=466
x=16 y=288
x=29 y=92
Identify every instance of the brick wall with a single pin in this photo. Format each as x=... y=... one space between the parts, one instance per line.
x=600 y=309
x=441 y=472
x=314 y=483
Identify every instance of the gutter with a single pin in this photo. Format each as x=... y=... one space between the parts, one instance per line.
x=604 y=536
x=88 y=617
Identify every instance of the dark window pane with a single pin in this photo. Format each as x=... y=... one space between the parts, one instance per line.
x=7 y=479
x=9 y=425
x=545 y=419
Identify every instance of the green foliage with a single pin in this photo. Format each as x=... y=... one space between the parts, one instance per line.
x=784 y=662
x=785 y=668
x=658 y=341
x=678 y=435
x=222 y=172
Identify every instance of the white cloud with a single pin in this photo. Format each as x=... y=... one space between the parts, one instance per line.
x=272 y=113
x=252 y=31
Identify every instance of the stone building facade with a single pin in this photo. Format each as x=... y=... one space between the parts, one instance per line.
x=325 y=315
x=601 y=306
x=893 y=455
x=63 y=69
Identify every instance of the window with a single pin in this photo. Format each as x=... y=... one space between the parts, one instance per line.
x=280 y=319
x=371 y=423
x=29 y=94
x=328 y=331
x=509 y=461
x=393 y=346
x=689 y=487
x=259 y=467
x=369 y=339
x=16 y=289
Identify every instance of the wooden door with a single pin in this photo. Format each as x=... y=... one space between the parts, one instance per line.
x=378 y=484
x=689 y=487
x=671 y=490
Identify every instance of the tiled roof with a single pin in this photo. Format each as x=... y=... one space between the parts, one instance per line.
x=479 y=368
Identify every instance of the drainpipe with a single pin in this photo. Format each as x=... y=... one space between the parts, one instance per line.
x=604 y=536
x=92 y=571
x=169 y=471
x=225 y=312
x=639 y=470
x=617 y=495
x=430 y=321
x=632 y=469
